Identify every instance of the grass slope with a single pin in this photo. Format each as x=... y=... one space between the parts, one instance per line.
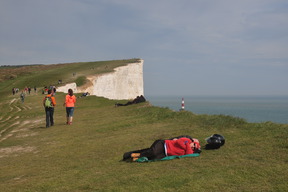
x=86 y=156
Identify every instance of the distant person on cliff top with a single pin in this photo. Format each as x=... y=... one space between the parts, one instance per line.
x=85 y=94
x=182 y=145
x=70 y=101
x=138 y=99
x=49 y=102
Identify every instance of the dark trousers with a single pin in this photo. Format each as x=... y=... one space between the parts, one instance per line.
x=49 y=116
x=156 y=151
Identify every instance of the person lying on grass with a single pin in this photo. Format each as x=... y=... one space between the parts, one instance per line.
x=138 y=99
x=182 y=145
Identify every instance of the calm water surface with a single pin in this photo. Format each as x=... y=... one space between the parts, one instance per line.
x=253 y=109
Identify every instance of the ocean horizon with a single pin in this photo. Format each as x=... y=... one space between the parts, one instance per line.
x=254 y=109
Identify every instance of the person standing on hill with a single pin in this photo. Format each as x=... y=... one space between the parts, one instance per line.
x=49 y=102
x=70 y=101
x=22 y=96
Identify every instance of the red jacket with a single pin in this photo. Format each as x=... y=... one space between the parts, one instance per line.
x=180 y=146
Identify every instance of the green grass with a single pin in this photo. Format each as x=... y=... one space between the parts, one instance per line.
x=86 y=156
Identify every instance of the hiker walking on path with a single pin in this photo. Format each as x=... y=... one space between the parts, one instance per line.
x=70 y=101
x=22 y=96
x=49 y=102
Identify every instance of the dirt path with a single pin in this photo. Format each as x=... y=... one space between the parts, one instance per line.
x=12 y=123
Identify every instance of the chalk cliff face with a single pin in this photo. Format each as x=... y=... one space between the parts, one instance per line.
x=125 y=82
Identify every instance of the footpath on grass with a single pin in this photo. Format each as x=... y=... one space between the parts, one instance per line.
x=17 y=122
x=12 y=121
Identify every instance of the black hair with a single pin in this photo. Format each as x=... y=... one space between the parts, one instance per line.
x=70 y=92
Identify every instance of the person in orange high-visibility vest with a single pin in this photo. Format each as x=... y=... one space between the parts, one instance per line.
x=70 y=101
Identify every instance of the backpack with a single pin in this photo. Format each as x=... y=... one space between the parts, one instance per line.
x=48 y=102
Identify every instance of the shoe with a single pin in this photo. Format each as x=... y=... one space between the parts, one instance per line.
x=135 y=155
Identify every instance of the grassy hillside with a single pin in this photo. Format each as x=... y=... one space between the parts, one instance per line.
x=45 y=75
x=86 y=156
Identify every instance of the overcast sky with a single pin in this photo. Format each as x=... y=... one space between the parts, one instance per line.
x=189 y=47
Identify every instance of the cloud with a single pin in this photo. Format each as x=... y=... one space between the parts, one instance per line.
x=212 y=39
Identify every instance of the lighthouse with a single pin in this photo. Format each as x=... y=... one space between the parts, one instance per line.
x=182 y=105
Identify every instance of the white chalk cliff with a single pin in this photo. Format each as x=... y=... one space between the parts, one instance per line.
x=125 y=82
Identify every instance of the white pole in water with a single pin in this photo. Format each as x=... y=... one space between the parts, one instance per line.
x=183 y=105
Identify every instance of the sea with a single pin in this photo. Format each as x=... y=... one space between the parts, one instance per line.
x=254 y=109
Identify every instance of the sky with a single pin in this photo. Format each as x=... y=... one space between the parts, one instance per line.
x=189 y=47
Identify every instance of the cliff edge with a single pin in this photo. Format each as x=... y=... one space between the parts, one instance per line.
x=126 y=82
